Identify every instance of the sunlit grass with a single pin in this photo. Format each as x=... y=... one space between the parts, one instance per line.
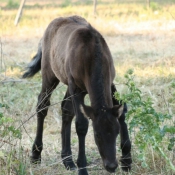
x=106 y=19
x=139 y=38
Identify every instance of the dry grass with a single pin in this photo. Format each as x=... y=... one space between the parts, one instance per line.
x=144 y=41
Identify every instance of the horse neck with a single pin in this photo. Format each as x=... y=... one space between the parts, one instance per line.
x=100 y=100
x=99 y=91
x=99 y=79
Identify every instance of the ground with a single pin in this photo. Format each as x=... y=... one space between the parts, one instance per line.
x=148 y=47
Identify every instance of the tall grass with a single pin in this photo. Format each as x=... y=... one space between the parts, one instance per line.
x=139 y=38
x=110 y=15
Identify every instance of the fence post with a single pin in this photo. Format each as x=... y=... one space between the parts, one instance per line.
x=95 y=5
x=19 y=12
x=148 y=4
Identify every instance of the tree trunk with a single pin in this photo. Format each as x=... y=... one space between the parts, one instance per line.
x=148 y=4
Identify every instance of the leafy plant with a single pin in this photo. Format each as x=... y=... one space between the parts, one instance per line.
x=150 y=124
x=154 y=6
x=12 y=4
x=66 y=3
x=8 y=132
x=6 y=125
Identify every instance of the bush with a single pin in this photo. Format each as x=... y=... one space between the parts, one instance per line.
x=6 y=125
x=8 y=155
x=154 y=6
x=150 y=124
x=12 y=4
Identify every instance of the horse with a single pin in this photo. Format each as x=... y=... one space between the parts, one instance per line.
x=71 y=51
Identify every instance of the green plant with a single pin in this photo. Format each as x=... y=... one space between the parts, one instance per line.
x=8 y=132
x=20 y=167
x=6 y=125
x=150 y=125
x=12 y=4
x=66 y=3
x=154 y=6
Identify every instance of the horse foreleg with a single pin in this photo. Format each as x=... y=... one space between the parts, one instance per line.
x=81 y=129
x=126 y=159
x=67 y=116
x=125 y=145
x=81 y=124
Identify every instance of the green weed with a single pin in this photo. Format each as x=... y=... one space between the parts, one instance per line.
x=8 y=133
x=6 y=125
x=152 y=127
x=12 y=4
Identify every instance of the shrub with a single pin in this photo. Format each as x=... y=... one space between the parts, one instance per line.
x=8 y=132
x=154 y=6
x=150 y=124
x=6 y=125
x=12 y=4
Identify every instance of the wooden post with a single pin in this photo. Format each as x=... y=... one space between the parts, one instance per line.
x=95 y=5
x=18 y=16
x=148 y=4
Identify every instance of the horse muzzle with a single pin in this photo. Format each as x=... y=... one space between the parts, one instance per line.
x=110 y=167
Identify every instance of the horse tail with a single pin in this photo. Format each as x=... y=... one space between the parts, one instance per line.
x=35 y=65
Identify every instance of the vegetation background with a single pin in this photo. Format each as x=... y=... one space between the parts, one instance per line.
x=141 y=37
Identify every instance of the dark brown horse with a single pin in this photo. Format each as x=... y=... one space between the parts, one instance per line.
x=73 y=52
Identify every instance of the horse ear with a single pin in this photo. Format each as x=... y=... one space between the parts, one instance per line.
x=87 y=111
x=117 y=110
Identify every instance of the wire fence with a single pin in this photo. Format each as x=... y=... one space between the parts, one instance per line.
x=94 y=3
x=77 y=2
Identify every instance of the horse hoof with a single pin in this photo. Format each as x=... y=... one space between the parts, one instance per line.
x=126 y=168
x=82 y=172
x=35 y=160
x=70 y=165
x=126 y=163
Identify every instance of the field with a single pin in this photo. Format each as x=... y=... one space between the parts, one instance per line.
x=140 y=39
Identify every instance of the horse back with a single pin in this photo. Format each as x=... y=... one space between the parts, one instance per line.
x=75 y=49
x=55 y=43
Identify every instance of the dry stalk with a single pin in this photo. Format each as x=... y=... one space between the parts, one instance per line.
x=1 y=52
x=4 y=141
x=154 y=164
x=166 y=102
x=171 y=15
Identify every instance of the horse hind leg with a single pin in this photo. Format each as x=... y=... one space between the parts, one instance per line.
x=42 y=108
x=67 y=116
x=125 y=144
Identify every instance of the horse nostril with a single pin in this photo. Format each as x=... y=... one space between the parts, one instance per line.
x=111 y=167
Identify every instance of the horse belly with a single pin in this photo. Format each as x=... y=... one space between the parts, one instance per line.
x=58 y=68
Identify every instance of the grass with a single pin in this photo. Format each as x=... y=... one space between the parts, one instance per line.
x=111 y=15
x=138 y=38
